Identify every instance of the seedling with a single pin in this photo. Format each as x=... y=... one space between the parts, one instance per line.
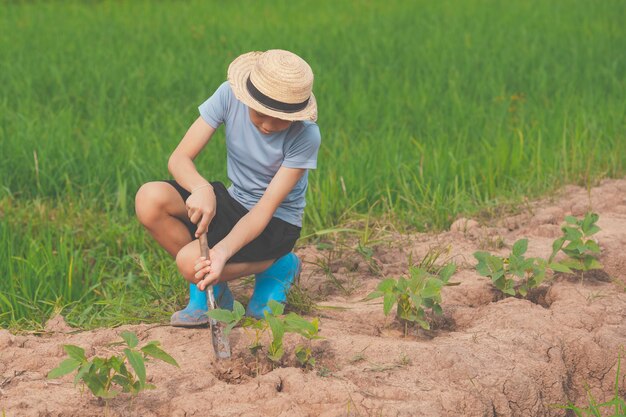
x=421 y=290
x=368 y=255
x=103 y=375
x=324 y=264
x=430 y=260
x=299 y=300
x=577 y=245
x=277 y=326
x=514 y=274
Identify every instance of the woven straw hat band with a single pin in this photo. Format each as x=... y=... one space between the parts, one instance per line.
x=283 y=76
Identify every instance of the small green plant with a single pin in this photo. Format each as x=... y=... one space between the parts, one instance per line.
x=431 y=261
x=617 y=403
x=514 y=274
x=421 y=290
x=299 y=300
x=577 y=245
x=325 y=266
x=368 y=255
x=277 y=325
x=102 y=375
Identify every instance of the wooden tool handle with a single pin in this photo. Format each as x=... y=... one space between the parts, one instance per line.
x=204 y=246
x=221 y=346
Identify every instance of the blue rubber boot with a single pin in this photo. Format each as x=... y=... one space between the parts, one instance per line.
x=195 y=313
x=273 y=284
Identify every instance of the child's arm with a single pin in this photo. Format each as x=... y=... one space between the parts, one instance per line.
x=201 y=203
x=251 y=225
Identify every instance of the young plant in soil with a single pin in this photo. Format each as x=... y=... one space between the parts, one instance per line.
x=514 y=274
x=577 y=245
x=413 y=295
x=108 y=377
x=276 y=325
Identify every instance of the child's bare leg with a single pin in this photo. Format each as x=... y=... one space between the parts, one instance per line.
x=161 y=210
x=187 y=256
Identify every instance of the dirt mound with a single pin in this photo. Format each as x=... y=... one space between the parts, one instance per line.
x=487 y=357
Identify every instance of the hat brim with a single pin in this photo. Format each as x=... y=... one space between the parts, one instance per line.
x=238 y=73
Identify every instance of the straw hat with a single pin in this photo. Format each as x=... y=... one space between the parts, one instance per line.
x=276 y=83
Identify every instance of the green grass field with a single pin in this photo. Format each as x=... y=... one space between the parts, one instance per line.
x=427 y=109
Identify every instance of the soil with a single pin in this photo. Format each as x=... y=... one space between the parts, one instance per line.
x=487 y=356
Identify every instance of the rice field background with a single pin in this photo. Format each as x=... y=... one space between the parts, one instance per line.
x=428 y=110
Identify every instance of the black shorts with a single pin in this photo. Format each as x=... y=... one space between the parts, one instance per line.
x=276 y=240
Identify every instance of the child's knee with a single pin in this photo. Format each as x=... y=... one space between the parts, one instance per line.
x=147 y=202
x=185 y=261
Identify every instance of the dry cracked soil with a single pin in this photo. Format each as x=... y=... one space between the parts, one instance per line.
x=486 y=356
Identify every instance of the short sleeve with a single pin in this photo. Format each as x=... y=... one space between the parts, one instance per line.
x=302 y=153
x=214 y=111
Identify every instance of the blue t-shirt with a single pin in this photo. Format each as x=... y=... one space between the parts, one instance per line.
x=254 y=158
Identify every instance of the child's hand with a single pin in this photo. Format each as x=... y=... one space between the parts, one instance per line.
x=208 y=271
x=201 y=209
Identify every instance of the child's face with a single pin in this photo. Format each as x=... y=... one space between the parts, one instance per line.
x=267 y=124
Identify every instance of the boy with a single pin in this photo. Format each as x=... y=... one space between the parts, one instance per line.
x=269 y=112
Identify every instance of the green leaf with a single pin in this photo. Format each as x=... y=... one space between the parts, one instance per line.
x=573 y=264
x=372 y=295
x=122 y=381
x=558 y=267
x=416 y=300
x=402 y=284
x=96 y=382
x=588 y=225
x=572 y=234
x=509 y=290
x=520 y=247
x=276 y=352
x=437 y=309
x=75 y=352
x=575 y=247
x=447 y=271
x=480 y=256
x=116 y=362
x=107 y=395
x=489 y=266
x=136 y=361
x=432 y=288
x=592 y=230
x=557 y=245
x=82 y=371
x=228 y=328
x=130 y=338
x=423 y=324
x=64 y=368
x=571 y=219
x=238 y=309
x=295 y=323
x=252 y=323
x=222 y=315
x=152 y=349
x=500 y=283
x=386 y=285
x=277 y=327
x=276 y=307
x=592 y=246
x=538 y=278
x=302 y=355
x=388 y=302
x=592 y=263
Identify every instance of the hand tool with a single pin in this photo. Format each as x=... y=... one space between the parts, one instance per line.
x=221 y=347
